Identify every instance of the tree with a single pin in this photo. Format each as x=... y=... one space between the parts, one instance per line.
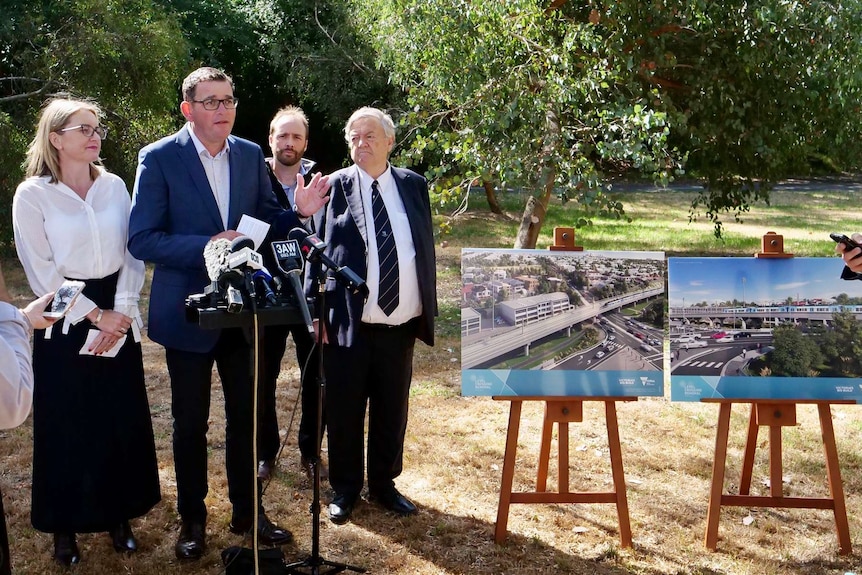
x=795 y=355
x=842 y=345
x=124 y=54
x=509 y=93
x=754 y=92
x=654 y=313
x=558 y=96
x=310 y=53
x=331 y=61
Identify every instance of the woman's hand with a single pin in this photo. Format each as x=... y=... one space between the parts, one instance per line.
x=112 y=326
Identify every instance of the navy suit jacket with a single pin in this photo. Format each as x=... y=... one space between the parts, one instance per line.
x=174 y=215
x=341 y=224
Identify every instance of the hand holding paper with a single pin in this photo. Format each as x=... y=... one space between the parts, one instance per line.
x=101 y=348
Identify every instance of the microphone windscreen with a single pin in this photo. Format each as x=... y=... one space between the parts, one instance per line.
x=216 y=254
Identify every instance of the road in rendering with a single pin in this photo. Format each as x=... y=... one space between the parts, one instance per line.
x=713 y=359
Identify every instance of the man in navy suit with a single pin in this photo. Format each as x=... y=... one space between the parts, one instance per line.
x=192 y=187
x=368 y=343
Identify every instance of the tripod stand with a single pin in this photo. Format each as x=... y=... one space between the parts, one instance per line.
x=314 y=564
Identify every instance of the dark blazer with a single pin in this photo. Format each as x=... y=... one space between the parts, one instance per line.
x=174 y=215
x=342 y=226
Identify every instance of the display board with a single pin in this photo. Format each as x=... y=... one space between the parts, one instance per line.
x=755 y=329
x=556 y=323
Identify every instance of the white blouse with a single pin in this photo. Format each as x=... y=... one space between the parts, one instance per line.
x=58 y=235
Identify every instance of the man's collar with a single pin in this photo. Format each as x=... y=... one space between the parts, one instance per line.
x=365 y=179
x=199 y=145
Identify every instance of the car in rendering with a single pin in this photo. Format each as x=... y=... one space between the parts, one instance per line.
x=693 y=344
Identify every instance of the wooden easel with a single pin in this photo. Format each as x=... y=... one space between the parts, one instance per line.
x=564 y=241
x=562 y=411
x=774 y=414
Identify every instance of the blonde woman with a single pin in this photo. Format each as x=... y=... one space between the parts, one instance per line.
x=94 y=462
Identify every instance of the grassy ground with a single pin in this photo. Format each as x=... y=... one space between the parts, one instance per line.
x=454 y=449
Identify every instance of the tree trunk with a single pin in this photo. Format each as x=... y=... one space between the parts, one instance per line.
x=492 y=197
x=535 y=210
x=534 y=215
x=531 y=223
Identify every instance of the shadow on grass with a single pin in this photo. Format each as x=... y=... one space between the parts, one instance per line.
x=465 y=544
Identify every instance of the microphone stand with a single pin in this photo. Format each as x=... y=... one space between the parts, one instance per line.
x=314 y=564
x=255 y=544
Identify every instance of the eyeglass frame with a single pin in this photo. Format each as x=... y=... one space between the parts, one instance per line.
x=102 y=131
x=219 y=102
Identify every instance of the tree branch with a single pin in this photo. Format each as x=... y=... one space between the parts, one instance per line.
x=358 y=65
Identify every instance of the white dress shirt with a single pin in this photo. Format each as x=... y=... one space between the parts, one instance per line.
x=409 y=302
x=217 y=169
x=16 y=368
x=58 y=235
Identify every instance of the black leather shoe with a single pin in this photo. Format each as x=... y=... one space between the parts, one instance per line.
x=66 y=549
x=308 y=468
x=191 y=543
x=268 y=533
x=265 y=469
x=340 y=508
x=123 y=538
x=393 y=501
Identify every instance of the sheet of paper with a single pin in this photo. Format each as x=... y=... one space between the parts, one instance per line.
x=91 y=335
x=254 y=228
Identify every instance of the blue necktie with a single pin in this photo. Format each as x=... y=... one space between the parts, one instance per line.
x=387 y=254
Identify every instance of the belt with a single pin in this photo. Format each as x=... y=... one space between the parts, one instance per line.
x=387 y=327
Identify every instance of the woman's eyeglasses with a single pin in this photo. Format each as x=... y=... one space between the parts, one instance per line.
x=88 y=130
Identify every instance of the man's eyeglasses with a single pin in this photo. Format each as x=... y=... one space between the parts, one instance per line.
x=88 y=130
x=212 y=104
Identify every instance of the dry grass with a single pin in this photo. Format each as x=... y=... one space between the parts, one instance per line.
x=453 y=460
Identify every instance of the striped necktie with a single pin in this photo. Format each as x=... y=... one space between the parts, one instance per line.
x=387 y=254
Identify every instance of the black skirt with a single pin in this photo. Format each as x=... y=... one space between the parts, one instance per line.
x=94 y=456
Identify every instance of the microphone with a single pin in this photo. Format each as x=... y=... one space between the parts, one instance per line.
x=296 y=284
x=288 y=258
x=233 y=297
x=216 y=254
x=287 y=255
x=220 y=262
x=312 y=248
x=224 y=280
x=243 y=254
x=262 y=278
x=245 y=259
